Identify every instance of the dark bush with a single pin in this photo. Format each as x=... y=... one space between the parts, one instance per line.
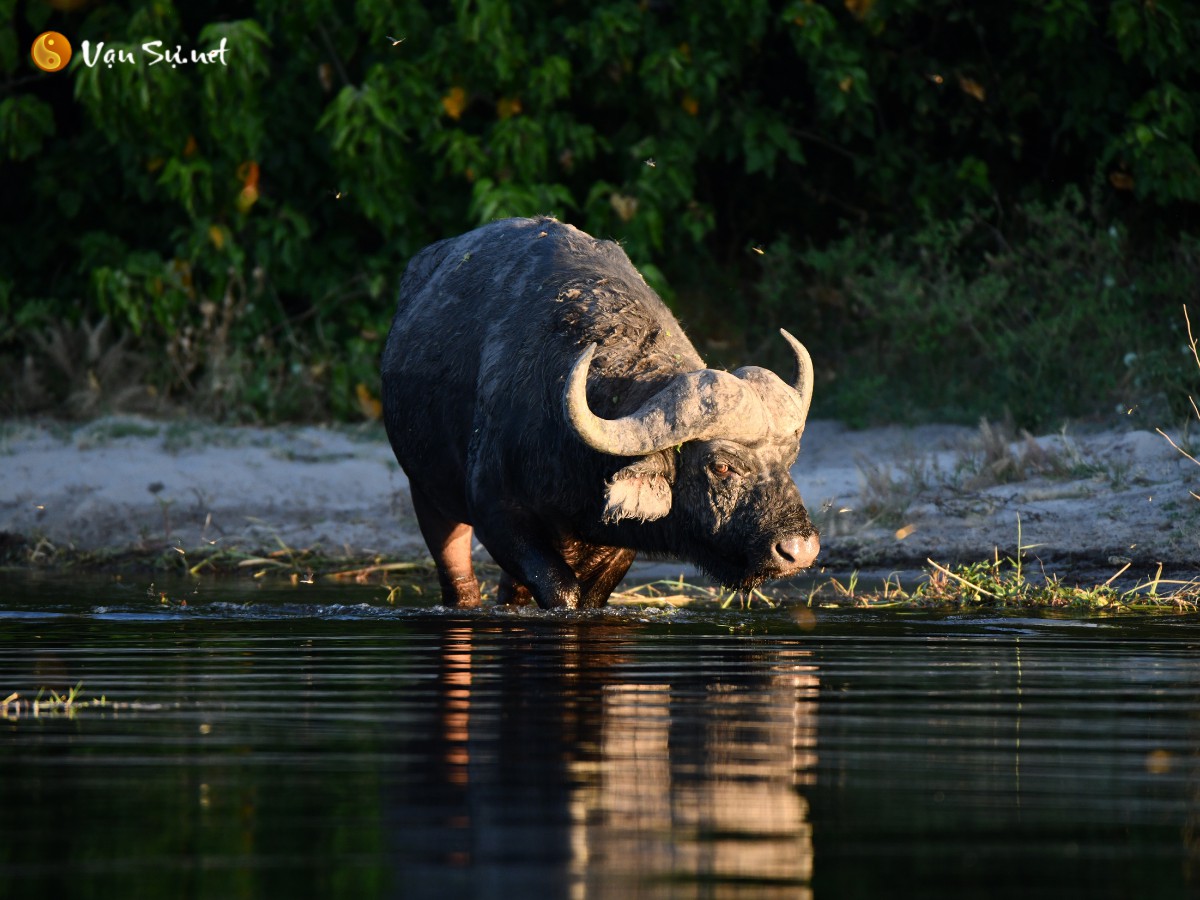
x=246 y=224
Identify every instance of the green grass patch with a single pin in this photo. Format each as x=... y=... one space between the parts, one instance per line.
x=48 y=703
x=1004 y=583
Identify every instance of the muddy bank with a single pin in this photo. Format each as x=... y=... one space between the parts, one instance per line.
x=885 y=498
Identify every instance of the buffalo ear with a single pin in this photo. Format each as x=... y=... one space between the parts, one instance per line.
x=641 y=490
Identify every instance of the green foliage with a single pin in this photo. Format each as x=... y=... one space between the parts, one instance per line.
x=248 y=221
x=1046 y=315
x=25 y=123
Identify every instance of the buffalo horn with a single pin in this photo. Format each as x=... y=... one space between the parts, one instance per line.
x=803 y=381
x=746 y=406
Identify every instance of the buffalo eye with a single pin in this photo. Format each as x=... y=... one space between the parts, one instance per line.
x=720 y=470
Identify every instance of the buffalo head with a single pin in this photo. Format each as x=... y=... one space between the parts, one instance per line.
x=712 y=453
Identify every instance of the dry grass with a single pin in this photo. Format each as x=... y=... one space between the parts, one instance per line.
x=47 y=703
x=50 y=704
x=677 y=592
x=996 y=454
x=999 y=454
x=889 y=490
x=82 y=369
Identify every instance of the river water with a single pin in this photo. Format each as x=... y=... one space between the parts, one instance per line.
x=285 y=741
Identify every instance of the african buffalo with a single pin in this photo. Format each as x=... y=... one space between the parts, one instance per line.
x=536 y=390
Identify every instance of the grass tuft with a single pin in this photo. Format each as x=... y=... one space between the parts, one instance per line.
x=1000 y=454
x=48 y=703
x=889 y=491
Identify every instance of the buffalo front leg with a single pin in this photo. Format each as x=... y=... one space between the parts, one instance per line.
x=517 y=544
x=450 y=544
x=600 y=572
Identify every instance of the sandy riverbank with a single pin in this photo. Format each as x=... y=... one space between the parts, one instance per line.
x=886 y=498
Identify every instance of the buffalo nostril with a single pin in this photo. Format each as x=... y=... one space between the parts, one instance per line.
x=797 y=552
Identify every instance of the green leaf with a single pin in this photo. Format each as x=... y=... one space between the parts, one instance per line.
x=9 y=54
x=25 y=124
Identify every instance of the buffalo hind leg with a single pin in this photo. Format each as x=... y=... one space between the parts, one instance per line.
x=450 y=544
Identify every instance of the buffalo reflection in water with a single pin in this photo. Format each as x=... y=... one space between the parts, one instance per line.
x=561 y=759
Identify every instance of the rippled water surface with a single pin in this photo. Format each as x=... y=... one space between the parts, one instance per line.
x=280 y=741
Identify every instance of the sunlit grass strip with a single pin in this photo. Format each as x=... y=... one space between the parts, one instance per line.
x=677 y=592
x=1003 y=583
x=666 y=592
x=996 y=583
x=1000 y=583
